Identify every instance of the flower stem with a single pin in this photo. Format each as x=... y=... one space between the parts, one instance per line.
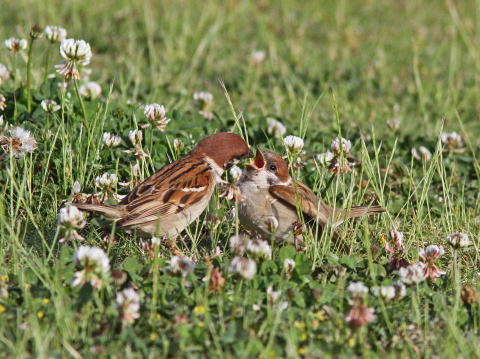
x=84 y=112
x=29 y=74
x=47 y=63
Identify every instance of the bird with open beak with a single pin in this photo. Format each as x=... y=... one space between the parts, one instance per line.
x=272 y=200
x=174 y=196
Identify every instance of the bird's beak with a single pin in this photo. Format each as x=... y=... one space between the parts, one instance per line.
x=257 y=163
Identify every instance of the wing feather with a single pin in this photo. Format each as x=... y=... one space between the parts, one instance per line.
x=170 y=190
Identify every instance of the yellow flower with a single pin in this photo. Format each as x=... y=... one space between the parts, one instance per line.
x=301 y=351
x=158 y=316
x=303 y=337
x=40 y=314
x=199 y=310
x=299 y=325
x=153 y=336
x=45 y=300
x=320 y=315
x=2 y=309
x=351 y=341
x=4 y=278
x=201 y=324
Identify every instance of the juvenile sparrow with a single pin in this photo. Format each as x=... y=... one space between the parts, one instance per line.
x=174 y=196
x=270 y=198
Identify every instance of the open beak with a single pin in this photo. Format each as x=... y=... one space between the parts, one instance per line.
x=257 y=163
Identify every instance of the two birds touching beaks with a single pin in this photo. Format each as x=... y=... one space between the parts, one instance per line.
x=272 y=203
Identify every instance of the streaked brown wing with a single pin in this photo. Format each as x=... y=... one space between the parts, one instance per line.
x=299 y=194
x=171 y=190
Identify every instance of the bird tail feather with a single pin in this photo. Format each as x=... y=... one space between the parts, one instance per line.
x=109 y=212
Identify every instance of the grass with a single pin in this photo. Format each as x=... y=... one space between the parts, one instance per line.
x=332 y=68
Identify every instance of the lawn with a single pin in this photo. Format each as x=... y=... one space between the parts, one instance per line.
x=398 y=79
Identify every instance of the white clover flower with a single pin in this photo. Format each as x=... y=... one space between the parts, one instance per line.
x=293 y=144
x=282 y=306
x=458 y=240
x=325 y=158
x=76 y=187
x=106 y=181
x=257 y=57
x=452 y=140
x=181 y=266
x=3 y=103
x=245 y=267
x=135 y=137
x=156 y=115
x=111 y=140
x=272 y=224
x=50 y=106
x=235 y=173
x=178 y=144
x=394 y=124
x=413 y=274
x=136 y=170
x=341 y=145
x=259 y=248
x=19 y=143
x=55 y=33
x=238 y=244
x=4 y=73
x=90 y=90
x=75 y=53
x=357 y=289
x=128 y=304
x=273 y=295
x=70 y=217
x=421 y=154
x=203 y=96
x=288 y=265
x=387 y=292
x=156 y=241
x=95 y=266
x=431 y=252
x=1 y=120
x=36 y=32
x=275 y=127
x=15 y=45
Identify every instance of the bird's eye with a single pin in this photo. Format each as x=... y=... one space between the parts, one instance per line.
x=273 y=168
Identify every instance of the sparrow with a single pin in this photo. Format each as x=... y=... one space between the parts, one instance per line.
x=174 y=196
x=271 y=200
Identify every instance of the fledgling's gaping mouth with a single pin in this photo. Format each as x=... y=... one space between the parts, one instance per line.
x=257 y=163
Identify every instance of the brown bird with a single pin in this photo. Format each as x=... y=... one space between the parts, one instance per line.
x=174 y=196
x=270 y=198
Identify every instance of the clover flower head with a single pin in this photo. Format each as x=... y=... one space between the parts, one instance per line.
x=181 y=266
x=452 y=140
x=90 y=90
x=458 y=240
x=275 y=127
x=238 y=244
x=235 y=173
x=156 y=115
x=55 y=33
x=111 y=140
x=4 y=73
x=95 y=266
x=421 y=153
x=259 y=248
x=128 y=304
x=106 y=181
x=19 y=142
x=135 y=137
x=15 y=45
x=341 y=145
x=245 y=267
x=413 y=274
x=293 y=144
x=50 y=106
x=357 y=290
x=257 y=57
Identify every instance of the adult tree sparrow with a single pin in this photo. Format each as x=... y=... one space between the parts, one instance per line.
x=270 y=198
x=174 y=196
